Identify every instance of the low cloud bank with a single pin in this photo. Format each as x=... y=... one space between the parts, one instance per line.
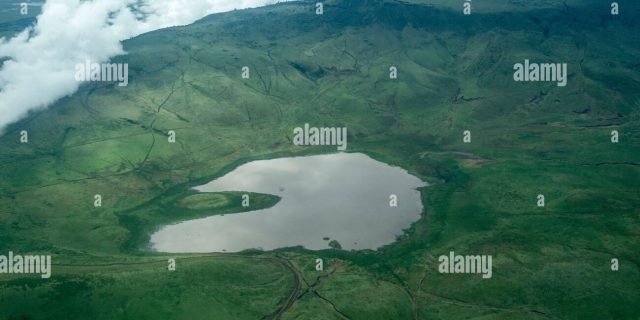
x=39 y=62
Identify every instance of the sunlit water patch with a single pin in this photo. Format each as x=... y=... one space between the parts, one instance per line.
x=343 y=197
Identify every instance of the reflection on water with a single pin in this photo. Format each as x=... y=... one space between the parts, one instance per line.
x=342 y=196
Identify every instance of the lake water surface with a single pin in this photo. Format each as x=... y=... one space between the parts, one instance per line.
x=343 y=196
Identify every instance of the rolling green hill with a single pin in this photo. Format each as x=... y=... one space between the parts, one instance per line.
x=455 y=73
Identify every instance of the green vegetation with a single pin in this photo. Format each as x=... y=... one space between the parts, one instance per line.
x=335 y=244
x=204 y=201
x=200 y=288
x=455 y=74
x=228 y=201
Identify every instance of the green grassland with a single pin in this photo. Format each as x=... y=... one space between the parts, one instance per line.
x=218 y=287
x=455 y=74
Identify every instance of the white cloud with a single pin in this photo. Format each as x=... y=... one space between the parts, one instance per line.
x=40 y=69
